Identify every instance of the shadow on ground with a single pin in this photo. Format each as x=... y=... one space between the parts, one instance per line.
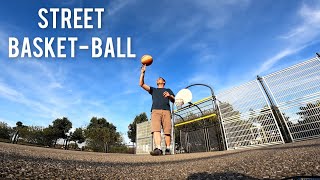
x=226 y=175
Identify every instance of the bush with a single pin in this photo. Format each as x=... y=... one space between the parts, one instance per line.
x=121 y=149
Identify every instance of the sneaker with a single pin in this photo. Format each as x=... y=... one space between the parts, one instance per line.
x=167 y=152
x=156 y=152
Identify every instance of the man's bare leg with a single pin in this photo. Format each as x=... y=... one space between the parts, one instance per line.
x=157 y=139
x=168 y=140
x=168 y=143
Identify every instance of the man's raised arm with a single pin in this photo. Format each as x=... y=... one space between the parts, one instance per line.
x=141 y=82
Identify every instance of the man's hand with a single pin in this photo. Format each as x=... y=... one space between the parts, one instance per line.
x=166 y=94
x=143 y=68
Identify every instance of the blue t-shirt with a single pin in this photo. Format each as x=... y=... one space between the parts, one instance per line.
x=158 y=100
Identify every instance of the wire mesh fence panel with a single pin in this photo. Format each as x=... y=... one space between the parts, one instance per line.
x=296 y=92
x=197 y=141
x=184 y=141
x=247 y=117
x=144 y=138
x=200 y=140
x=213 y=133
x=193 y=121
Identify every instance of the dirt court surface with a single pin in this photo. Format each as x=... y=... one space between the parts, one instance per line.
x=273 y=162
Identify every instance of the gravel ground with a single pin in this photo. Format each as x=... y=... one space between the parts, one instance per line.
x=273 y=162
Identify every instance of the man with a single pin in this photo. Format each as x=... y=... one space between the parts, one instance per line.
x=160 y=112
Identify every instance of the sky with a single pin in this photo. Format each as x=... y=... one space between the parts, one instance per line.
x=220 y=43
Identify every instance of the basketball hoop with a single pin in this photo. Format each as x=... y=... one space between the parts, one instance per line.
x=184 y=96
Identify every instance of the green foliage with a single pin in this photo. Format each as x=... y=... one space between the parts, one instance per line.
x=49 y=136
x=100 y=134
x=61 y=126
x=133 y=126
x=5 y=131
x=32 y=134
x=19 y=124
x=309 y=112
x=19 y=131
x=121 y=149
x=77 y=136
x=38 y=135
x=22 y=131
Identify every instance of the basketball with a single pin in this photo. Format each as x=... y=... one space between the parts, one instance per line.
x=146 y=60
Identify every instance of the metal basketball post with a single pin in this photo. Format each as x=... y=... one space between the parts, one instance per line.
x=172 y=129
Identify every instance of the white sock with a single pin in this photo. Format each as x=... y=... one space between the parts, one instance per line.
x=158 y=146
x=168 y=147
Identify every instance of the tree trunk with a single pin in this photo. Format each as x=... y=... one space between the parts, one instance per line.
x=106 y=148
x=54 y=145
x=66 y=144
x=15 y=137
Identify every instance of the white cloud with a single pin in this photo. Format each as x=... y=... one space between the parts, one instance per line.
x=308 y=29
x=116 y=6
x=9 y=93
x=15 y=96
x=176 y=43
x=55 y=85
x=273 y=60
x=300 y=37
x=205 y=53
x=38 y=87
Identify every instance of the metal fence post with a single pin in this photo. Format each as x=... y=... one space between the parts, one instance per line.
x=222 y=142
x=277 y=114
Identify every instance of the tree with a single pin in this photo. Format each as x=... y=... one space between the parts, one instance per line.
x=19 y=124
x=49 y=137
x=5 y=131
x=100 y=134
x=19 y=127
x=61 y=126
x=32 y=134
x=309 y=113
x=133 y=126
x=77 y=136
x=309 y=119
